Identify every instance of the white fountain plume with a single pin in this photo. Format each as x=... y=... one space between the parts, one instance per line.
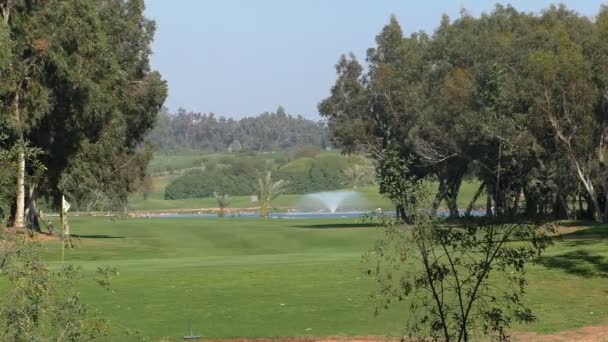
x=332 y=200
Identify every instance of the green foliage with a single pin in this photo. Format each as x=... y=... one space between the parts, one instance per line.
x=44 y=304
x=322 y=173
x=489 y=97
x=461 y=282
x=237 y=174
x=223 y=201
x=200 y=184
x=101 y=179
x=234 y=175
x=84 y=98
x=7 y=182
x=267 y=190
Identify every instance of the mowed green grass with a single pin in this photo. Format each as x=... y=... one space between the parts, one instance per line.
x=283 y=277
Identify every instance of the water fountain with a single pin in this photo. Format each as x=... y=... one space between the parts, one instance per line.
x=332 y=200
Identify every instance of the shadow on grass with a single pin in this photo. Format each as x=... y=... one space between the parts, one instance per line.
x=581 y=263
x=96 y=236
x=338 y=225
x=579 y=223
x=596 y=232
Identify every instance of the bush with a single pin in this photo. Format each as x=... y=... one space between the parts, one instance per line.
x=42 y=303
x=235 y=176
x=322 y=173
x=199 y=184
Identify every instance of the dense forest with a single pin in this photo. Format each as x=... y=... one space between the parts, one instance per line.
x=268 y=131
x=517 y=100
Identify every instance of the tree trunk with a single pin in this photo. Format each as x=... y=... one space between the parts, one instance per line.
x=440 y=195
x=560 y=211
x=31 y=209
x=597 y=213
x=263 y=209
x=606 y=205
x=453 y=206
x=515 y=207
x=401 y=214
x=452 y=196
x=593 y=196
x=488 y=202
x=20 y=205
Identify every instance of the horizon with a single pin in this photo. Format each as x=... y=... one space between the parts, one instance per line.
x=242 y=68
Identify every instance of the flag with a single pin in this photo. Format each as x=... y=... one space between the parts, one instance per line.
x=65 y=206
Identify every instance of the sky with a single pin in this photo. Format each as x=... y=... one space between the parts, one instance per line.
x=240 y=58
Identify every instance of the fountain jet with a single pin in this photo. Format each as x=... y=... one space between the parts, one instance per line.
x=332 y=200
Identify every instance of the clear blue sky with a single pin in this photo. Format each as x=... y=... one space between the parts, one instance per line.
x=243 y=57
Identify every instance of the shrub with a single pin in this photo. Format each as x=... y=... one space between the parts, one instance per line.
x=199 y=184
x=324 y=172
x=232 y=175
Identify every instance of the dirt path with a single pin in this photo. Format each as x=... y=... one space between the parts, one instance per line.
x=592 y=333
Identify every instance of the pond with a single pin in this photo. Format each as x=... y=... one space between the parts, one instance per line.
x=294 y=214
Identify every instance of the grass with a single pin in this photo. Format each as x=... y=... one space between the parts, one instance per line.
x=179 y=161
x=280 y=277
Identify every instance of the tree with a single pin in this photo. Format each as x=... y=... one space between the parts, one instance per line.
x=90 y=85
x=346 y=107
x=266 y=191
x=23 y=95
x=514 y=99
x=223 y=201
x=265 y=132
x=564 y=93
x=461 y=282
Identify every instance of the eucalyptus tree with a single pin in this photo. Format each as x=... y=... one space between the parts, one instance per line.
x=24 y=96
x=563 y=91
x=516 y=99
x=78 y=76
x=114 y=156
x=346 y=108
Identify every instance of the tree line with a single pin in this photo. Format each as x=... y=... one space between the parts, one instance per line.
x=77 y=98
x=517 y=100
x=268 y=131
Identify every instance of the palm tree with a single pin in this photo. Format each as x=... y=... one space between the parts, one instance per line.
x=267 y=190
x=223 y=201
x=359 y=172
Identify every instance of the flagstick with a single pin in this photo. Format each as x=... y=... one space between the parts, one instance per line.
x=61 y=215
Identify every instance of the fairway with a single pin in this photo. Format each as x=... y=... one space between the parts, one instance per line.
x=283 y=277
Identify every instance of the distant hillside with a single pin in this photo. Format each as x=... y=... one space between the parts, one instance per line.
x=270 y=131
